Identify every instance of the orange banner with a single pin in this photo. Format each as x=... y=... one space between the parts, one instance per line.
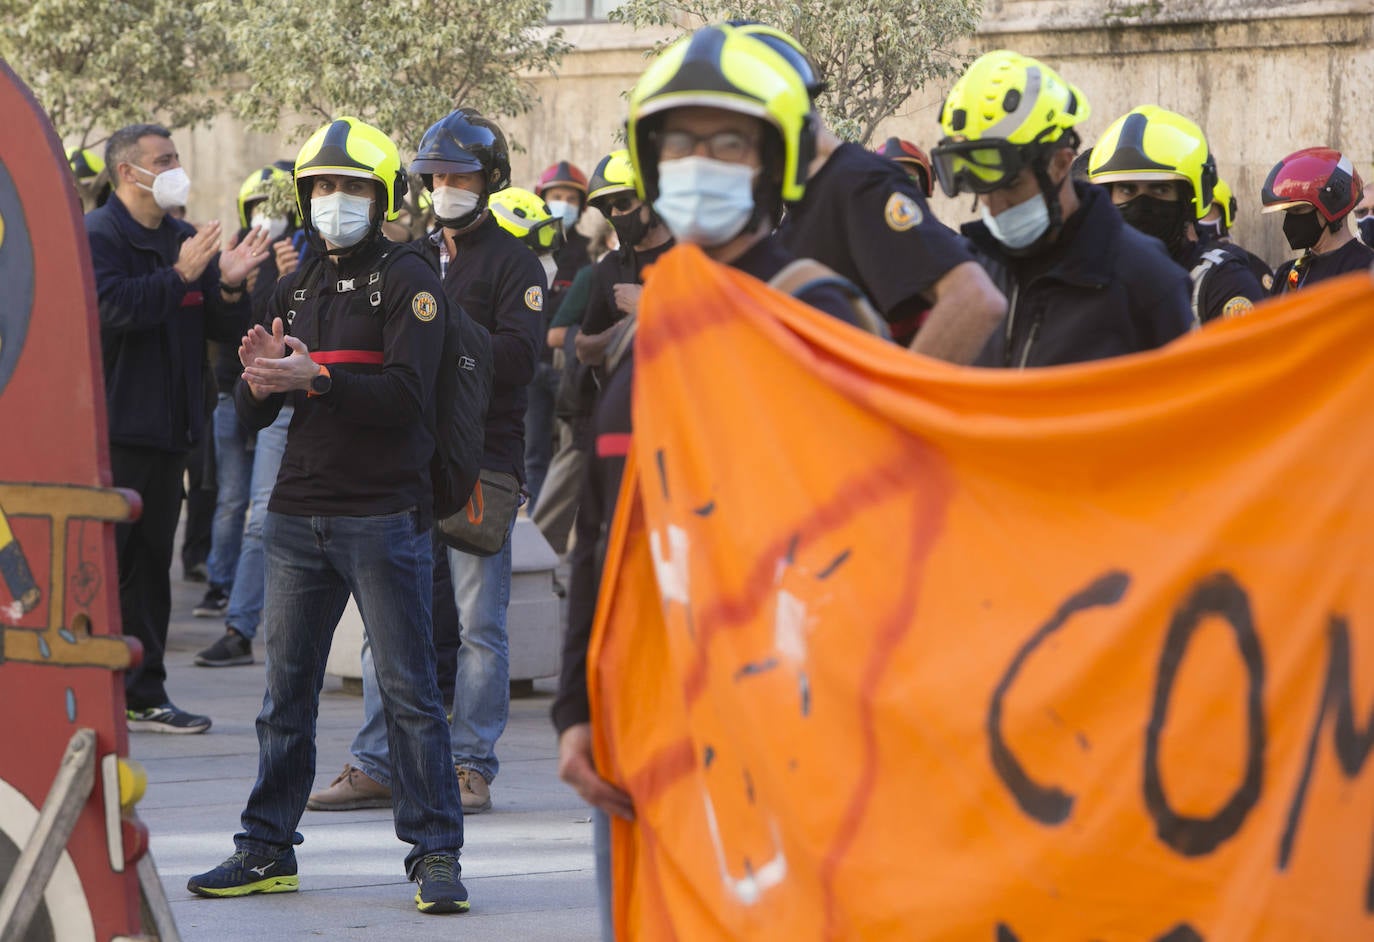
x=894 y=650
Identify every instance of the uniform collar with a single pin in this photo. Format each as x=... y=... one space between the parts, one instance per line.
x=1086 y=257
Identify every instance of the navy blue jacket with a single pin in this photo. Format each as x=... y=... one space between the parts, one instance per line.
x=153 y=328
x=1103 y=289
x=500 y=283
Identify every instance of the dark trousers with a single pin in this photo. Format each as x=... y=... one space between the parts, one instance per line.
x=201 y=498
x=446 y=642
x=144 y=549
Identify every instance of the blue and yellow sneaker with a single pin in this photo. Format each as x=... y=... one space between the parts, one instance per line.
x=440 y=889
x=246 y=873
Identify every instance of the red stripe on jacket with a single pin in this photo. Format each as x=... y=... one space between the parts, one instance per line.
x=330 y=357
x=612 y=445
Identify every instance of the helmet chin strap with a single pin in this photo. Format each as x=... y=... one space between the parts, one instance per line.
x=467 y=222
x=1040 y=167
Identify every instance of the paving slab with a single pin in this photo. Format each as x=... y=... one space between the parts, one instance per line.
x=527 y=864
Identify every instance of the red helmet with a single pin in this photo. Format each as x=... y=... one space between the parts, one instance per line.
x=562 y=174
x=915 y=159
x=1319 y=176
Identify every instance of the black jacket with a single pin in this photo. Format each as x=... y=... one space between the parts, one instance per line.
x=1103 y=289
x=364 y=447
x=499 y=282
x=153 y=328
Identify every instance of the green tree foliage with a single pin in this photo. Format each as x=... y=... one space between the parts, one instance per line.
x=104 y=65
x=872 y=54
x=400 y=66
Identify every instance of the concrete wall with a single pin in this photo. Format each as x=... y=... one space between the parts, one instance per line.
x=1262 y=77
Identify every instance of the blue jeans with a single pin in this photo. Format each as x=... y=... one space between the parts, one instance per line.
x=250 y=580
x=313 y=565
x=233 y=467
x=540 y=395
x=481 y=695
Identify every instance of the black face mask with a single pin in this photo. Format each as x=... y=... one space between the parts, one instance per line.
x=1163 y=219
x=1303 y=230
x=630 y=228
x=1366 y=226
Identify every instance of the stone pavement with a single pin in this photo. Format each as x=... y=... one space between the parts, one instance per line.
x=527 y=863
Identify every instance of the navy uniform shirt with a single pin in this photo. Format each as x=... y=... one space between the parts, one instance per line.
x=1223 y=283
x=1258 y=266
x=621 y=267
x=500 y=283
x=1309 y=268
x=866 y=218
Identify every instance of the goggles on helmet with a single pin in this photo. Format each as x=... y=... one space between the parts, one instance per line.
x=976 y=166
x=983 y=166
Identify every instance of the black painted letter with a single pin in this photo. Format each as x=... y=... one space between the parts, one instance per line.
x=1218 y=594
x=1044 y=803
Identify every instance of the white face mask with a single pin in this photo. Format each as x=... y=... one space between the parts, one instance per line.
x=170 y=187
x=453 y=202
x=705 y=201
x=342 y=219
x=568 y=212
x=275 y=225
x=1021 y=225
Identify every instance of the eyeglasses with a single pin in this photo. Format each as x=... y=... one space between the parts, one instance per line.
x=731 y=146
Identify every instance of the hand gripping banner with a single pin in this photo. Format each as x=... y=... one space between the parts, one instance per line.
x=889 y=649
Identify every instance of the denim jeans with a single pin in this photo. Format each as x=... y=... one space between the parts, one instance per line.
x=250 y=580
x=481 y=695
x=313 y=565
x=539 y=428
x=233 y=467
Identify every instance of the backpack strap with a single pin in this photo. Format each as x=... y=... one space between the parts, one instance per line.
x=621 y=342
x=1211 y=259
x=803 y=274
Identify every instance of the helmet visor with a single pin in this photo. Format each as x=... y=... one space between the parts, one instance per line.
x=976 y=166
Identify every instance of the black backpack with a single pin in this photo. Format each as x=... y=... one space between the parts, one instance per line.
x=461 y=395
x=462 y=389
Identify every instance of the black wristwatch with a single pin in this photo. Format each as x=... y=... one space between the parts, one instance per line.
x=321 y=382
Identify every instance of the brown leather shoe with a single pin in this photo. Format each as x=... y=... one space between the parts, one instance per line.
x=351 y=790
x=474 y=791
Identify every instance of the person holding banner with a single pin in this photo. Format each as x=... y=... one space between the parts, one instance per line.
x=1082 y=284
x=716 y=129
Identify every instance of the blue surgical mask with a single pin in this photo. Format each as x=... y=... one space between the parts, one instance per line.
x=342 y=219
x=705 y=201
x=568 y=212
x=1019 y=226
